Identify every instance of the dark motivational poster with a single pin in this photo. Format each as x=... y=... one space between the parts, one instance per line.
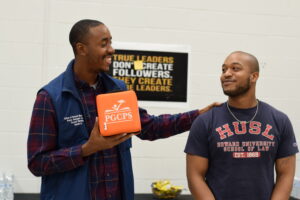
x=153 y=75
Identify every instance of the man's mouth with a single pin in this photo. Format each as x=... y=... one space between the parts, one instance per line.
x=108 y=59
x=227 y=82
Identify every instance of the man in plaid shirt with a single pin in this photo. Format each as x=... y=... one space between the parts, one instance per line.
x=65 y=147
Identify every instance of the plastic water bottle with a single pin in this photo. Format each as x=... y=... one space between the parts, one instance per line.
x=296 y=188
x=6 y=186
x=9 y=186
x=2 y=186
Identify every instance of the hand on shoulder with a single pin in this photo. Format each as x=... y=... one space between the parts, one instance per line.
x=210 y=106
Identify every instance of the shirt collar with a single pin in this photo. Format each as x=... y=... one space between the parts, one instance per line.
x=80 y=84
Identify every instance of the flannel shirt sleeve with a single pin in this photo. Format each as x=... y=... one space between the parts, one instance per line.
x=43 y=156
x=166 y=125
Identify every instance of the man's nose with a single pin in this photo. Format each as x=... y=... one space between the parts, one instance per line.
x=227 y=73
x=111 y=50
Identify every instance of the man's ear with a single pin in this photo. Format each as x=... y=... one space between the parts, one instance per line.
x=81 y=49
x=254 y=76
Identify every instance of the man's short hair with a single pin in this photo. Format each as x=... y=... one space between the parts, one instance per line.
x=79 y=31
x=254 y=61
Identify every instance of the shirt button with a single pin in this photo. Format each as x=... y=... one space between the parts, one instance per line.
x=109 y=196
x=107 y=174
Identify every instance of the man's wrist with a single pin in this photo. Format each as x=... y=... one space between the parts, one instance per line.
x=86 y=150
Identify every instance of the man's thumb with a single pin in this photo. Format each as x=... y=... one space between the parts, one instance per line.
x=96 y=124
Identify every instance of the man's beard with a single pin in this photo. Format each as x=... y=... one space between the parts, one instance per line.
x=240 y=90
